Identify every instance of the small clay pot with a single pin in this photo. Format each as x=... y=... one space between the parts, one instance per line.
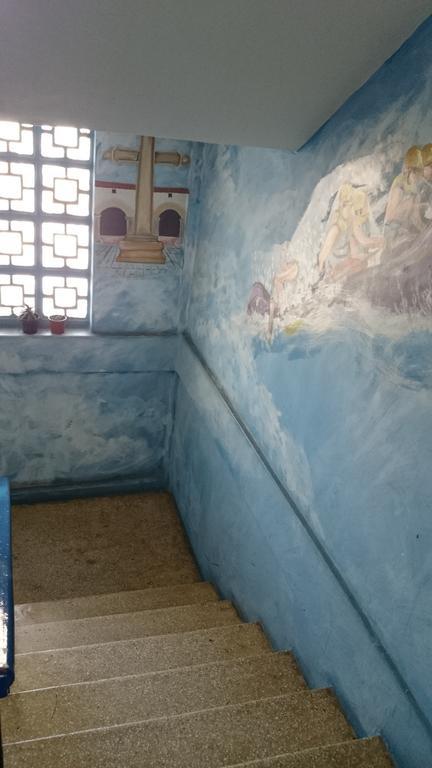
x=57 y=324
x=30 y=325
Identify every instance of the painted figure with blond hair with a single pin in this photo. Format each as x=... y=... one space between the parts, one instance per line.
x=348 y=243
x=426 y=152
x=426 y=192
x=403 y=217
x=374 y=245
x=287 y=275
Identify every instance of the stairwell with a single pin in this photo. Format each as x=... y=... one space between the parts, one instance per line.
x=126 y=659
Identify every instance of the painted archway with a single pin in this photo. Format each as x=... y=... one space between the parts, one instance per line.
x=169 y=223
x=113 y=222
x=171 y=216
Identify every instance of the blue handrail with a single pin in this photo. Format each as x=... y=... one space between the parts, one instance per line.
x=7 y=635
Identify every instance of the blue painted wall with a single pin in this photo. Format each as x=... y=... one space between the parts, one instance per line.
x=330 y=545
x=80 y=409
x=97 y=406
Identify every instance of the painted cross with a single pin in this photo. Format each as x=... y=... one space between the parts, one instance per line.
x=141 y=245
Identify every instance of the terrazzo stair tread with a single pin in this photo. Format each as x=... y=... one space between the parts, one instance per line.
x=207 y=739
x=96 y=545
x=111 y=702
x=123 y=626
x=149 y=654
x=117 y=602
x=361 y=753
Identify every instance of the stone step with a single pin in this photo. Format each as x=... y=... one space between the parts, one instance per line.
x=117 y=602
x=362 y=753
x=96 y=545
x=123 y=626
x=211 y=738
x=142 y=655
x=66 y=709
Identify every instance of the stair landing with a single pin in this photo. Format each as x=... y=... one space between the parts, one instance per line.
x=99 y=545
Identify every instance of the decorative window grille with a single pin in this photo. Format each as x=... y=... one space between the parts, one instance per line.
x=46 y=189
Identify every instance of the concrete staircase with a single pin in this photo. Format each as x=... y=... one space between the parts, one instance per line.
x=166 y=675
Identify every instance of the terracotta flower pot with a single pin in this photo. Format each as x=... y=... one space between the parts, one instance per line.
x=57 y=324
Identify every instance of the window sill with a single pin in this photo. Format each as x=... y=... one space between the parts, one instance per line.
x=15 y=332
x=85 y=333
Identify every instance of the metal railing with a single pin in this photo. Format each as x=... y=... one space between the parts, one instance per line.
x=7 y=636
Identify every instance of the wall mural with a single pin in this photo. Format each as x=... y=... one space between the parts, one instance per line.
x=364 y=244
x=117 y=180
x=131 y=293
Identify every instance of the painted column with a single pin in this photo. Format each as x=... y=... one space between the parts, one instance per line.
x=142 y=245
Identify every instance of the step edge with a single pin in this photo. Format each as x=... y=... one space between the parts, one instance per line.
x=144 y=637
x=263 y=761
x=172 y=670
x=222 y=605
x=313 y=693
x=105 y=595
x=191 y=576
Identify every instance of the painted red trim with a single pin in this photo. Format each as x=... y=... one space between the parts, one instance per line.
x=114 y=185
x=123 y=185
x=176 y=190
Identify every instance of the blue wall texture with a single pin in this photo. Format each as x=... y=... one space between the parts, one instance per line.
x=305 y=403
x=97 y=406
x=81 y=409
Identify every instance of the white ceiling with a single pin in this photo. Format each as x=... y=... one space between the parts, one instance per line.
x=257 y=72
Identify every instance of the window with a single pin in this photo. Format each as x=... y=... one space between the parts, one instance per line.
x=46 y=189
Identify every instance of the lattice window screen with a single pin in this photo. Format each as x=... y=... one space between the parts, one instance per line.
x=46 y=189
